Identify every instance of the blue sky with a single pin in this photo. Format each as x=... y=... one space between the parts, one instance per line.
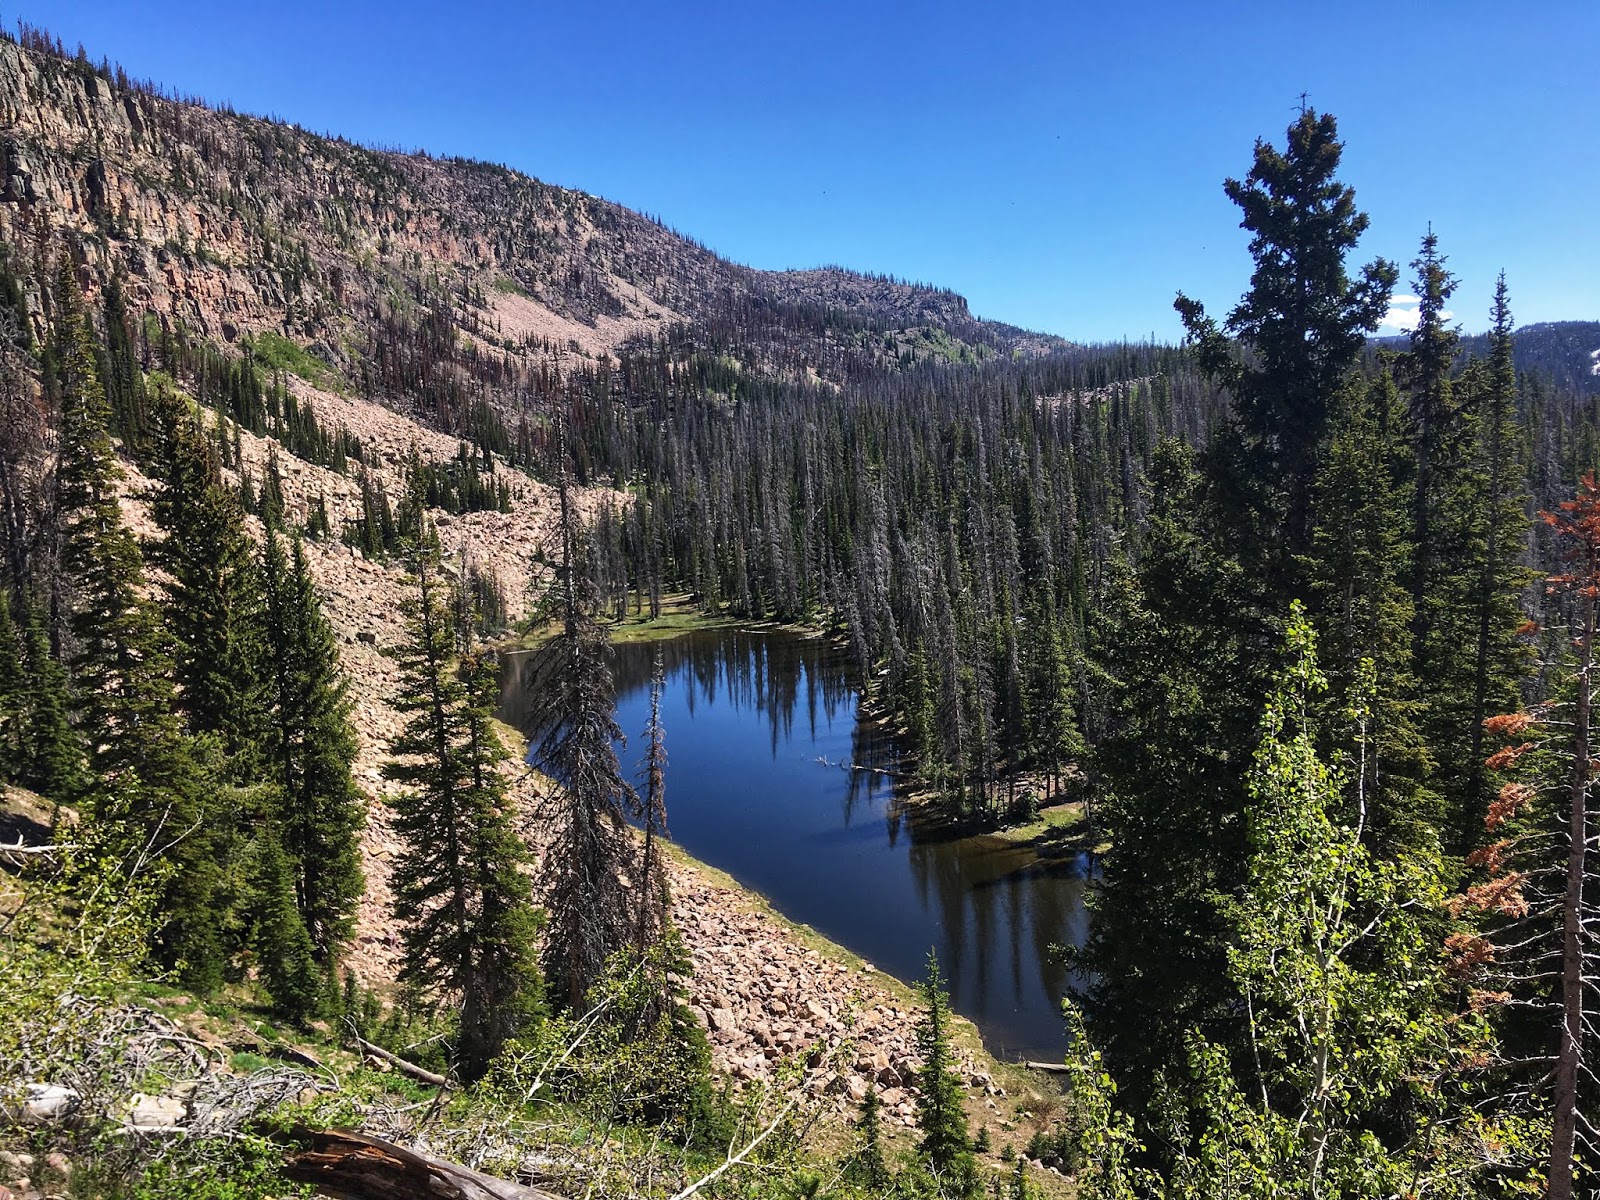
x=1060 y=164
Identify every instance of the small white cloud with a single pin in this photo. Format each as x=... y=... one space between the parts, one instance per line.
x=1404 y=313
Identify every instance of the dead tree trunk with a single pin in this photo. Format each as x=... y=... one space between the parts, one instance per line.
x=368 y=1168
x=1564 y=1119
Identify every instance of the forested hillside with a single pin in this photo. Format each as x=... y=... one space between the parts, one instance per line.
x=293 y=432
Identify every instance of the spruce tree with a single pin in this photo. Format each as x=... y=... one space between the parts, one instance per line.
x=574 y=732
x=1500 y=657
x=215 y=600
x=152 y=787
x=294 y=981
x=945 y=1146
x=1537 y=954
x=1304 y=322
x=653 y=814
x=13 y=696
x=1178 y=715
x=1362 y=606
x=52 y=756
x=1446 y=535
x=311 y=747
x=124 y=380
x=868 y=1167
x=469 y=926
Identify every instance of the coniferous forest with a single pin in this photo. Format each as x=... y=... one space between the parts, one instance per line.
x=1301 y=618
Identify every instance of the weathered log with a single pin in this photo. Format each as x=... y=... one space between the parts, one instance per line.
x=1058 y=1068
x=420 y=1074
x=359 y=1167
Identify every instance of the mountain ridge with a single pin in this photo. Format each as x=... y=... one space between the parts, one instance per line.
x=235 y=225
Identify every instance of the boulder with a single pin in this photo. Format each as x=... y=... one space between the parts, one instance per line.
x=156 y=1112
x=44 y=1104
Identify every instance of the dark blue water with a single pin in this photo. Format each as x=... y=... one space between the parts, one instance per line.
x=757 y=727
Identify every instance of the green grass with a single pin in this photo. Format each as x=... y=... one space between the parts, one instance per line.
x=244 y=1062
x=507 y=286
x=1051 y=823
x=678 y=616
x=277 y=353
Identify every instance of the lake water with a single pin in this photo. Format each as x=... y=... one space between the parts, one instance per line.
x=757 y=728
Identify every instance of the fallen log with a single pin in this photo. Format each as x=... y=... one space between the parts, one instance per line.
x=1058 y=1068
x=359 y=1167
x=420 y=1074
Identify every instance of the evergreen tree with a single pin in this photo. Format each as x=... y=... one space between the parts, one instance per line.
x=469 y=924
x=124 y=380
x=1362 y=608
x=52 y=760
x=311 y=748
x=945 y=1146
x=1178 y=718
x=289 y=970
x=151 y=785
x=653 y=814
x=1352 y=1082
x=13 y=696
x=1447 y=534
x=1304 y=323
x=574 y=732
x=215 y=601
x=1539 y=899
x=1500 y=658
x=868 y=1167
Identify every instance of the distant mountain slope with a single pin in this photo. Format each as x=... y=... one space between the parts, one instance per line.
x=1566 y=351
x=234 y=225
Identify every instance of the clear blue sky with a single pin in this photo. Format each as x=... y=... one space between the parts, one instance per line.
x=1059 y=163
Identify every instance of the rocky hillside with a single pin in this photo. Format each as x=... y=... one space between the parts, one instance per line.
x=234 y=225
x=383 y=280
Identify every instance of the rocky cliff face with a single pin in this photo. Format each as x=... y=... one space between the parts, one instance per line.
x=233 y=225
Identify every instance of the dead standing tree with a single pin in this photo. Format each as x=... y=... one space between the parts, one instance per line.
x=1542 y=944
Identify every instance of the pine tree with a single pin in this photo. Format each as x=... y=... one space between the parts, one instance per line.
x=311 y=748
x=1351 y=1080
x=868 y=1167
x=1019 y=1189
x=1304 y=322
x=1539 y=901
x=945 y=1146
x=469 y=924
x=1178 y=716
x=574 y=732
x=215 y=601
x=1447 y=534
x=296 y=984
x=1500 y=658
x=51 y=752
x=124 y=380
x=653 y=814
x=1360 y=559
x=13 y=696
x=152 y=786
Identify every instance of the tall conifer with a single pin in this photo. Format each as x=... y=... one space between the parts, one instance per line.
x=468 y=921
x=573 y=729
x=311 y=747
x=151 y=786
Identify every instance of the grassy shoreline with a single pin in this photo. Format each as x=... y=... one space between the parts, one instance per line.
x=678 y=615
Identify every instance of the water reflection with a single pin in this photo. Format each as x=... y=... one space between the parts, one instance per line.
x=765 y=782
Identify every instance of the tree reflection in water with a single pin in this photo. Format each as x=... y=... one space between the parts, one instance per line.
x=773 y=779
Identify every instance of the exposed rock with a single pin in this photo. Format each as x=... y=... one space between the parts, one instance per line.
x=156 y=1112
x=44 y=1104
